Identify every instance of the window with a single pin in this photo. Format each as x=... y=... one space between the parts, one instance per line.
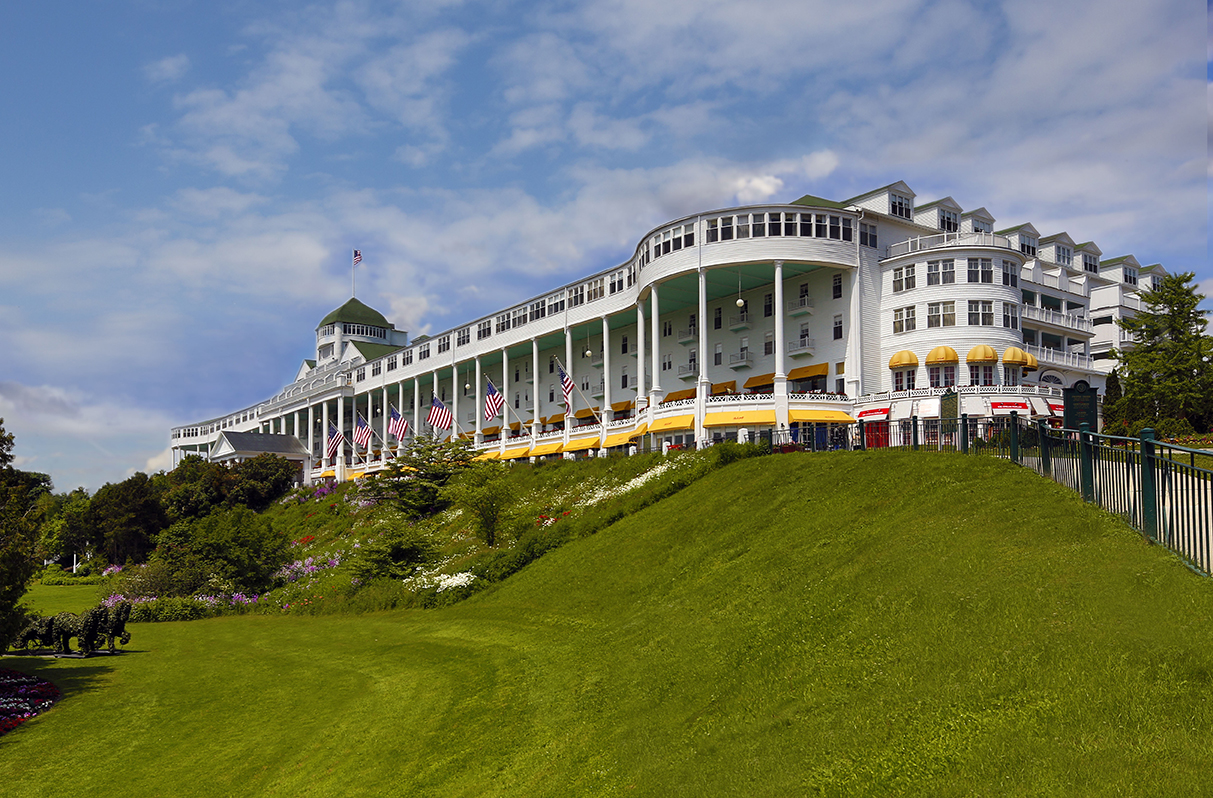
x=667 y=362
x=539 y=310
x=517 y=399
x=949 y=221
x=867 y=235
x=941 y=271
x=941 y=314
x=667 y=329
x=840 y=228
x=444 y=344
x=806 y=224
x=1010 y=275
x=594 y=289
x=484 y=330
x=900 y=206
x=838 y=327
x=376 y=368
x=423 y=352
x=1065 y=256
x=768 y=305
x=576 y=296
x=623 y=345
x=822 y=226
x=1029 y=298
x=981 y=374
x=759 y=227
x=692 y=326
x=1131 y=276
x=982 y=227
x=551 y=364
x=745 y=346
x=551 y=392
x=775 y=223
x=768 y=344
x=837 y=287
x=1010 y=315
x=726 y=228
x=743 y=226
x=981 y=270
x=519 y=317
x=1027 y=245
x=903 y=320
x=1090 y=263
x=361 y=375
x=981 y=313
x=717 y=318
x=718 y=355
x=503 y=322
x=555 y=304
x=903 y=278
x=1010 y=375
x=463 y=337
x=789 y=224
x=904 y=380
x=616 y=284
x=942 y=376
x=713 y=232
x=407 y=357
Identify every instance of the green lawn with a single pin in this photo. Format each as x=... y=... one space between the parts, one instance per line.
x=52 y=599
x=845 y=624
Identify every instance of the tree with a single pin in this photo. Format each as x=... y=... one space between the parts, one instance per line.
x=1166 y=375
x=196 y=487
x=19 y=496
x=65 y=530
x=6 y=446
x=127 y=516
x=261 y=480
x=414 y=480
x=237 y=545
x=484 y=492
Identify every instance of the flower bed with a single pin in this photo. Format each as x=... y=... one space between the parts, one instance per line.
x=22 y=697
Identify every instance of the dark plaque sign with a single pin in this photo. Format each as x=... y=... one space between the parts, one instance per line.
x=949 y=405
x=1082 y=406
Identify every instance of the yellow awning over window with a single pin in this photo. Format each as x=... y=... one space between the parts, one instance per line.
x=903 y=360
x=804 y=372
x=350 y=476
x=584 y=443
x=465 y=436
x=618 y=439
x=820 y=416
x=942 y=355
x=640 y=430
x=1032 y=365
x=514 y=454
x=586 y=412
x=619 y=406
x=671 y=423
x=678 y=396
x=982 y=353
x=724 y=387
x=546 y=448
x=329 y=473
x=760 y=379
x=741 y=418
x=491 y=430
x=1014 y=356
x=491 y=455
x=555 y=419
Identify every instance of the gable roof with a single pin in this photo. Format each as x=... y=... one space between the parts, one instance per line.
x=374 y=351
x=250 y=444
x=1025 y=227
x=900 y=187
x=809 y=199
x=355 y=312
x=945 y=202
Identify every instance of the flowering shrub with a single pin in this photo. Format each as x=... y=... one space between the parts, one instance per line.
x=22 y=697
x=113 y=569
x=305 y=540
x=293 y=572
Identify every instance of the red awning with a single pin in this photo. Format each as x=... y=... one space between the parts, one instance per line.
x=873 y=414
x=1007 y=408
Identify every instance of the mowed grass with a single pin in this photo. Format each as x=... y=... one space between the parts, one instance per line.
x=52 y=599
x=842 y=624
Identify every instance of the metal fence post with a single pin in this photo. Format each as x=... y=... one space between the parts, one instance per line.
x=914 y=433
x=964 y=433
x=862 y=443
x=1149 y=496
x=1015 y=437
x=1046 y=462
x=1086 y=463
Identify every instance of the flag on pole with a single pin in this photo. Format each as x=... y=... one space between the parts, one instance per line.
x=334 y=441
x=439 y=416
x=493 y=402
x=566 y=385
x=357 y=256
x=362 y=432
x=398 y=425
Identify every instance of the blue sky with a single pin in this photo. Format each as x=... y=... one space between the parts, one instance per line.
x=182 y=182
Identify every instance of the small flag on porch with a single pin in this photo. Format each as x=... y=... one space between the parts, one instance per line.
x=398 y=425
x=566 y=385
x=335 y=438
x=362 y=432
x=440 y=416
x=493 y=402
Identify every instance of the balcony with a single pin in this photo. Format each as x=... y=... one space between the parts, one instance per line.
x=739 y=322
x=688 y=336
x=1066 y=321
x=741 y=360
x=947 y=240
x=1059 y=357
x=802 y=348
x=599 y=390
x=688 y=372
x=802 y=306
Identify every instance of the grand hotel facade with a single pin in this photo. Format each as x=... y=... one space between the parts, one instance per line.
x=789 y=318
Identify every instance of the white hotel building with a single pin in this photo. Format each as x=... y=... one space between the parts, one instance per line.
x=783 y=318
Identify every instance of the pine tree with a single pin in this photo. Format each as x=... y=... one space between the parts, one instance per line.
x=1166 y=375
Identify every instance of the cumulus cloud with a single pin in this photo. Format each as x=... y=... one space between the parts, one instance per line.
x=167 y=70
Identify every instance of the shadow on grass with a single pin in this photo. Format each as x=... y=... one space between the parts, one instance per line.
x=73 y=677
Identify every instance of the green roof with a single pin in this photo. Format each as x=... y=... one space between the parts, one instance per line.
x=1114 y=261
x=374 y=351
x=818 y=202
x=1012 y=229
x=357 y=313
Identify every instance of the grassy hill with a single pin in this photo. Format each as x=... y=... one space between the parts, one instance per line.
x=842 y=624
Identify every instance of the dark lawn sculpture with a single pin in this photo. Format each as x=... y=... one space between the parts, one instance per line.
x=40 y=633
x=98 y=627
x=115 y=624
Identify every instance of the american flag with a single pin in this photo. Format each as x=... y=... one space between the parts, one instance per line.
x=335 y=438
x=357 y=256
x=566 y=385
x=362 y=432
x=493 y=402
x=398 y=425
x=439 y=416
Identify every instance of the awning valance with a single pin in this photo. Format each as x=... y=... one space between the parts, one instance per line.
x=724 y=387
x=618 y=439
x=1005 y=408
x=942 y=355
x=586 y=412
x=759 y=380
x=490 y=430
x=873 y=414
x=1031 y=365
x=671 y=423
x=905 y=359
x=490 y=455
x=1014 y=356
x=558 y=418
x=982 y=353
x=804 y=372
x=819 y=416
x=741 y=418
x=546 y=448
x=515 y=453
x=678 y=396
x=584 y=443
x=620 y=406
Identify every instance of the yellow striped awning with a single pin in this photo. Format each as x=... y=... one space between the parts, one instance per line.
x=350 y=476
x=491 y=430
x=586 y=412
x=1032 y=365
x=724 y=387
x=584 y=443
x=942 y=355
x=489 y=455
x=514 y=454
x=546 y=448
x=670 y=423
x=982 y=353
x=618 y=439
x=760 y=379
x=820 y=416
x=903 y=360
x=804 y=372
x=740 y=418
x=640 y=430
x=1014 y=356
x=677 y=396
x=465 y=436
x=329 y=473
x=619 y=406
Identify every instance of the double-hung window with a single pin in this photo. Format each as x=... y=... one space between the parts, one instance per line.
x=903 y=319
x=981 y=313
x=981 y=270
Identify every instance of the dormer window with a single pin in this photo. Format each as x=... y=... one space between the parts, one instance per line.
x=901 y=206
x=982 y=227
x=1027 y=245
x=1131 y=276
x=949 y=221
x=1090 y=263
x=1065 y=256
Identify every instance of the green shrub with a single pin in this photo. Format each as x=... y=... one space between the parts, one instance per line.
x=170 y=608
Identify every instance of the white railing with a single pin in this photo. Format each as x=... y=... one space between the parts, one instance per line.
x=1059 y=357
x=948 y=240
x=692 y=369
x=801 y=345
x=800 y=303
x=818 y=396
x=741 y=359
x=739 y=319
x=1068 y=320
x=688 y=334
x=725 y=398
x=922 y=393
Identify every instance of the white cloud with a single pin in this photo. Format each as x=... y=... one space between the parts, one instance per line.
x=214 y=202
x=167 y=70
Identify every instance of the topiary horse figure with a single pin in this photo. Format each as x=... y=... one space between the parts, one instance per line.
x=40 y=632
x=92 y=628
x=64 y=627
x=115 y=624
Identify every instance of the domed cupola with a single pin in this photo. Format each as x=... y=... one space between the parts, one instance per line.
x=354 y=321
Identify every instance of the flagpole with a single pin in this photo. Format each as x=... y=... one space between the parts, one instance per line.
x=588 y=403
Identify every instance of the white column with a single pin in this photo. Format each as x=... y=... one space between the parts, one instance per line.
x=505 y=394
x=568 y=369
x=703 y=385
x=341 y=432
x=657 y=391
x=435 y=393
x=324 y=433
x=385 y=415
x=781 y=375
x=478 y=407
x=535 y=405
x=606 y=371
x=642 y=391
x=456 y=389
x=416 y=406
